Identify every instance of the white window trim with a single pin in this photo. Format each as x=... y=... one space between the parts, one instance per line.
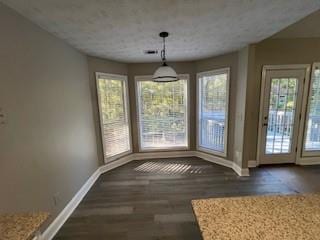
x=127 y=109
x=309 y=153
x=167 y=149
x=209 y=73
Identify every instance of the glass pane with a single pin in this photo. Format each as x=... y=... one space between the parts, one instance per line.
x=163 y=114
x=312 y=142
x=212 y=115
x=282 y=106
x=114 y=116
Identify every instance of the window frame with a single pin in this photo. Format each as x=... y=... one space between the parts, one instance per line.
x=309 y=153
x=139 y=78
x=198 y=122
x=125 y=92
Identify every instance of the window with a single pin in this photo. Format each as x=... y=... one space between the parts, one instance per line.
x=312 y=136
x=213 y=88
x=114 y=115
x=162 y=113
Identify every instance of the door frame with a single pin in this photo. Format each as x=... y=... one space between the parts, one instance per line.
x=305 y=89
x=305 y=153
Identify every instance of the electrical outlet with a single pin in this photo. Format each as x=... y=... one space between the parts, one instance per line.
x=3 y=118
x=56 y=199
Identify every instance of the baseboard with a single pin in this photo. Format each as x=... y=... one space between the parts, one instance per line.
x=117 y=163
x=302 y=161
x=54 y=227
x=309 y=161
x=213 y=159
x=252 y=164
x=243 y=172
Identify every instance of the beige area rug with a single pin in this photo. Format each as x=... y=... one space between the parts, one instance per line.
x=287 y=217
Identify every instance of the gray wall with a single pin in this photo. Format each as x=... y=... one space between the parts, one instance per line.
x=240 y=95
x=48 y=144
x=273 y=52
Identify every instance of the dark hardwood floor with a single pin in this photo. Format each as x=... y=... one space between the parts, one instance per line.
x=150 y=199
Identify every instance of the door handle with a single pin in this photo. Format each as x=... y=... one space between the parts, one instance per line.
x=265 y=124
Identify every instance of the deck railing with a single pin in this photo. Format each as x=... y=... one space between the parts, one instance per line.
x=281 y=122
x=212 y=133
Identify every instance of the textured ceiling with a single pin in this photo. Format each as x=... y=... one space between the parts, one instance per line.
x=308 y=27
x=122 y=29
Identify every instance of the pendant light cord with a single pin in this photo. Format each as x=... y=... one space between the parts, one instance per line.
x=163 y=52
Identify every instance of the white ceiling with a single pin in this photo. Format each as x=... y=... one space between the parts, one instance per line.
x=122 y=29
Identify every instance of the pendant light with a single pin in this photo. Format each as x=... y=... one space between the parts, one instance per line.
x=164 y=73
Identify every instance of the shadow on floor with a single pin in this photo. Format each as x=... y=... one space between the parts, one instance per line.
x=151 y=199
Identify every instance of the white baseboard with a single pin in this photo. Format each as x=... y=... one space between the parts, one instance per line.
x=116 y=163
x=252 y=164
x=304 y=161
x=213 y=159
x=54 y=227
x=309 y=161
x=243 y=172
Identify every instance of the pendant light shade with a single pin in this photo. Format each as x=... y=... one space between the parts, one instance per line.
x=164 y=73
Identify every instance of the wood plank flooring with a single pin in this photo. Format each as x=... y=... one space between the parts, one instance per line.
x=150 y=199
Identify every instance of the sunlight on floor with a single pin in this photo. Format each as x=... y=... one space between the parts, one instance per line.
x=170 y=168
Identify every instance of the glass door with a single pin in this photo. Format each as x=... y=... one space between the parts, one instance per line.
x=311 y=145
x=281 y=115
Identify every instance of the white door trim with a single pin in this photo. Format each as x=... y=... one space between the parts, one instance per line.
x=306 y=68
x=308 y=154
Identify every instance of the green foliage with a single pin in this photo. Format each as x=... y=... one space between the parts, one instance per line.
x=163 y=104
x=315 y=96
x=111 y=100
x=283 y=94
x=214 y=92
